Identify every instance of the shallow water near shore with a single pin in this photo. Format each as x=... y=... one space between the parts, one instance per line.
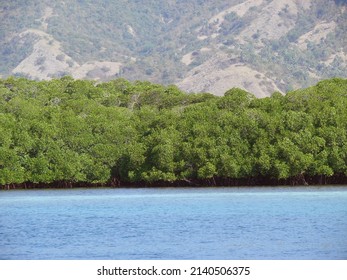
x=175 y=223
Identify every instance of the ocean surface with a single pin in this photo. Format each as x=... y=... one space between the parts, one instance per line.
x=175 y=223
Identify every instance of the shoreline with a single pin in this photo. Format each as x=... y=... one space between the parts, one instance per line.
x=302 y=180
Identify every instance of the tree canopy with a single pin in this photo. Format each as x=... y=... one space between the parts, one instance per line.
x=67 y=131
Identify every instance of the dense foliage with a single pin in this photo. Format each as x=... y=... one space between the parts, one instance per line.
x=70 y=131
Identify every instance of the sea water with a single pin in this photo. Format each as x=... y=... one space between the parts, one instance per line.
x=175 y=223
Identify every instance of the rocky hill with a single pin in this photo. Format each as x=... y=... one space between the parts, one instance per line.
x=202 y=46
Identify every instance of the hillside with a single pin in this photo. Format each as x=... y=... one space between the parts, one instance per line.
x=202 y=46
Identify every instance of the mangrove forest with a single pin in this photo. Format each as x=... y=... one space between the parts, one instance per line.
x=67 y=133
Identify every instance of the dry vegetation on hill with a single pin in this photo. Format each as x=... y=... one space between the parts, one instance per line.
x=261 y=46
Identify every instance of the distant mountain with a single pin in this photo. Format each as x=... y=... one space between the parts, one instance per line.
x=202 y=46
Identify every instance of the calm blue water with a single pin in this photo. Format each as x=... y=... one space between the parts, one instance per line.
x=174 y=223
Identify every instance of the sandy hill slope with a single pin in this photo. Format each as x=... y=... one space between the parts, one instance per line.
x=261 y=46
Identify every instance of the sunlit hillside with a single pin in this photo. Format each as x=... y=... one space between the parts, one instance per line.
x=202 y=46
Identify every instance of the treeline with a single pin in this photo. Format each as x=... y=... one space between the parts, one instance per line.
x=67 y=132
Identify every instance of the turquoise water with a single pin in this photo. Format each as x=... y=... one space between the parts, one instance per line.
x=174 y=223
